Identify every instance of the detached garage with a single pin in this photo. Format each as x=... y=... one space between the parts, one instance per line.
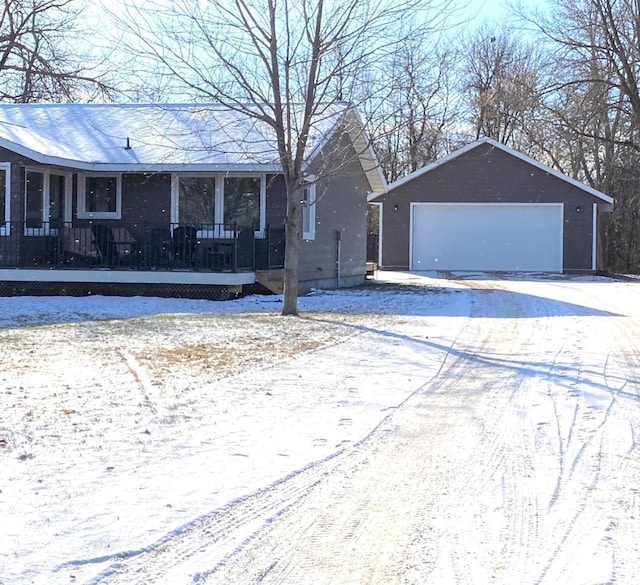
x=487 y=207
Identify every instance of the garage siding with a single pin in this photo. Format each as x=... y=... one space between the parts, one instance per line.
x=486 y=174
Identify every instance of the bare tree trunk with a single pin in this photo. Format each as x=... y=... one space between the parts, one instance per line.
x=291 y=256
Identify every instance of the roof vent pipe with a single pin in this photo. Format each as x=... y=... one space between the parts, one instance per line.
x=128 y=146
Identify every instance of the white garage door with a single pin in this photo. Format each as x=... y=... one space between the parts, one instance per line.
x=485 y=236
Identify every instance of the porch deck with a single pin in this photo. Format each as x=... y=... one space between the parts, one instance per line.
x=112 y=253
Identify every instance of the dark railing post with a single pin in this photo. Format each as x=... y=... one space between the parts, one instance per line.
x=234 y=257
x=269 y=248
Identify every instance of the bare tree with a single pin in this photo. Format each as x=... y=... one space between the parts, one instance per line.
x=595 y=103
x=501 y=80
x=281 y=62
x=409 y=126
x=35 y=58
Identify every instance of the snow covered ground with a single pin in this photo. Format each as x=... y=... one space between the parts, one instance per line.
x=418 y=430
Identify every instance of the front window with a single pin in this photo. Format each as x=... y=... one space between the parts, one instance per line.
x=45 y=198
x=100 y=196
x=217 y=204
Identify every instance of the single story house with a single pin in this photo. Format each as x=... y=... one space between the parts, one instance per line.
x=487 y=207
x=173 y=199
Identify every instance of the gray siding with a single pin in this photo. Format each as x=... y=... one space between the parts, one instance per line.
x=488 y=175
x=276 y=200
x=146 y=198
x=341 y=206
x=146 y=202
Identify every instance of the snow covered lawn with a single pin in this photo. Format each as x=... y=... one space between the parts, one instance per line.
x=418 y=430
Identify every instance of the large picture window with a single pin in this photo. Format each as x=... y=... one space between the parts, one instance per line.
x=5 y=197
x=100 y=196
x=216 y=204
x=46 y=196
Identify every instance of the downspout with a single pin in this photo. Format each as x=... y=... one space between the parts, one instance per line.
x=594 y=234
x=338 y=257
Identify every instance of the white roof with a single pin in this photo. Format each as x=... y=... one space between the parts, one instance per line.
x=204 y=137
x=506 y=149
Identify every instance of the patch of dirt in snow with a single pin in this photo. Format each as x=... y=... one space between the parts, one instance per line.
x=230 y=344
x=79 y=377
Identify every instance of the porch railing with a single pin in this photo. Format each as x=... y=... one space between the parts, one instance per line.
x=116 y=245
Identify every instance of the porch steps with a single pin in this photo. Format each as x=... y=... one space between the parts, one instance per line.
x=272 y=280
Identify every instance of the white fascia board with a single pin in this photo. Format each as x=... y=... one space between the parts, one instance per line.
x=127 y=277
x=361 y=144
x=434 y=165
x=181 y=168
x=547 y=169
x=370 y=164
x=364 y=149
x=608 y=200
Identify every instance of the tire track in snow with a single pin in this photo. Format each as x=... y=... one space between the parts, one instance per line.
x=446 y=491
x=361 y=537
x=373 y=532
x=570 y=534
x=172 y=559
x=578 y=521
x=143 y=380
x=517 y=510
x=210 y=541
x=622 y=374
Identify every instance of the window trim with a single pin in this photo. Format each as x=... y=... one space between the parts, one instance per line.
x=46 y=229
x=82 y=193
x=310 y=207
x=5 y=228
x=219 y=231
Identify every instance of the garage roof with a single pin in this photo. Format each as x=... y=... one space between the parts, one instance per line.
x=598 y=194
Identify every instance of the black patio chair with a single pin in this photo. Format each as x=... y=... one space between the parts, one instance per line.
x=159 y=246
x=78 y=247
x=185 y=244
x=106 y=244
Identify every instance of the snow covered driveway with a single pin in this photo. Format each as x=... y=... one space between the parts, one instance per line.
x=424 y=431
